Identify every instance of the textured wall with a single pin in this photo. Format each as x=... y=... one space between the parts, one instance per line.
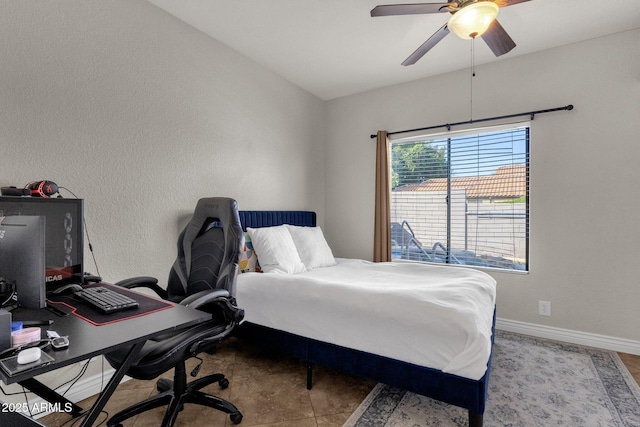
x=141 y=115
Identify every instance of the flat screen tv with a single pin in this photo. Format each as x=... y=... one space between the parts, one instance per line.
x=64 y=234
x=22 y=242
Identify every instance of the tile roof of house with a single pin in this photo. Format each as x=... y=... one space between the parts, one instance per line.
x=508 y=182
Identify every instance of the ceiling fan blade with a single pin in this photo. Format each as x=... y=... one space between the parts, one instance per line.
x=426 y=46
x=410 y=9
x=497 y=39
x=505 y=3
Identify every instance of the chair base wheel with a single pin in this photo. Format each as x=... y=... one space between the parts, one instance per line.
x=178 y=393
x=236 y=418
x=164 y=384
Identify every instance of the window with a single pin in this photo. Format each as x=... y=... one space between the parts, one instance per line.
x=462 y=198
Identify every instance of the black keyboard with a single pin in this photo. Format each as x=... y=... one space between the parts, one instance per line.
x=106 y=300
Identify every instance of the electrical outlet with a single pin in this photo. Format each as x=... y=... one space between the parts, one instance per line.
x=544 y=308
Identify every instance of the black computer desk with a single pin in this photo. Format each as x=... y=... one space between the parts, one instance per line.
x=87 y=340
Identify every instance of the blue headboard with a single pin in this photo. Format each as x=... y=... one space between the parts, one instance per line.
x=257 y=219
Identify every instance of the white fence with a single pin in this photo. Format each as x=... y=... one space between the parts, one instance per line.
x=487 y=228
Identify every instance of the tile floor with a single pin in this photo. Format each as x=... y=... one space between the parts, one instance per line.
x=269 y=391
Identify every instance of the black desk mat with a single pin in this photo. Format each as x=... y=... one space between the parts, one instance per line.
x=71 y=304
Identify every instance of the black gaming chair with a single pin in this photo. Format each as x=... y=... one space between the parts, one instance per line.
x=203 y=277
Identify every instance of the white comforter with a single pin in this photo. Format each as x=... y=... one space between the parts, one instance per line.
x=429 y=315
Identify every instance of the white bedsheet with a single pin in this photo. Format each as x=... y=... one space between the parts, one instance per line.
x=430 y=315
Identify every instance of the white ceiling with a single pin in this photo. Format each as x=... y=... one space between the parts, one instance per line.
x=333 y=48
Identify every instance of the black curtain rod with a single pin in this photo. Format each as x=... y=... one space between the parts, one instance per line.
x=448 y=125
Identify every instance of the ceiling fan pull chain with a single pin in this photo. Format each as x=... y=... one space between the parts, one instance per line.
x=473 y=74
x=473 y=57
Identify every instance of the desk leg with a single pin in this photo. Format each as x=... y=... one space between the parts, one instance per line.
x=49 y=395
x=111 y=386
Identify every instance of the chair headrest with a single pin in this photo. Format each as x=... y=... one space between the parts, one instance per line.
x=222 y=209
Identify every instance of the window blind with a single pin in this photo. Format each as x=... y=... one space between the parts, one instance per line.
x=462 y=197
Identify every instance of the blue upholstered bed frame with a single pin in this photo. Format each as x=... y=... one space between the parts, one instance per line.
x=433 y=383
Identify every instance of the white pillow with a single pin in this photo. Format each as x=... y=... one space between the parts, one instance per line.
x=275 y=250
x=312 y=247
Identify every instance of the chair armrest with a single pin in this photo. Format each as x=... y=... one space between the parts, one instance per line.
x=203 y=297
x=143 y=282
x=228 y=316
x=224 y=304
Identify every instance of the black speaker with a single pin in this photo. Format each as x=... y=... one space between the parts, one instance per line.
x=15 y=191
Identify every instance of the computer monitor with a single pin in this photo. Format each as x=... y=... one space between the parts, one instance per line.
x=22 y=243
x=64 y=234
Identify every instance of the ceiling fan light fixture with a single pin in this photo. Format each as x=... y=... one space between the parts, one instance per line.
x=473 y=20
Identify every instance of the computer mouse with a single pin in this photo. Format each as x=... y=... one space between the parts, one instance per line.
x=29 y=355
x=67 y=289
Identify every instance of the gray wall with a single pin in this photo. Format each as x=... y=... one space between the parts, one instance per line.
x=584 y=174
x=142 y=115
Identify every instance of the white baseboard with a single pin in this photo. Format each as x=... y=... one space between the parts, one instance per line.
x=575 y=337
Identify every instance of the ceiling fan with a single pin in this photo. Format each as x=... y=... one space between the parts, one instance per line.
x=469 y=19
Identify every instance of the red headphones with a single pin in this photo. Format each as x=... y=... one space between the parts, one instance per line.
x=42 y=188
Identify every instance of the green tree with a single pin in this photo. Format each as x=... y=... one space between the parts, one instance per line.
x=416 y=162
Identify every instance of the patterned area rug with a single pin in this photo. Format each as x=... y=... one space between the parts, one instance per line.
x=534 y=382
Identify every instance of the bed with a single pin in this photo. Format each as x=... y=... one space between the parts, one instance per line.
x=434 y=337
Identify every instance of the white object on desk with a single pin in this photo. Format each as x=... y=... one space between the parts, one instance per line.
x=29 y=355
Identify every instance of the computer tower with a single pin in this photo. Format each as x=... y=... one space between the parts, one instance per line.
x=22 y=255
